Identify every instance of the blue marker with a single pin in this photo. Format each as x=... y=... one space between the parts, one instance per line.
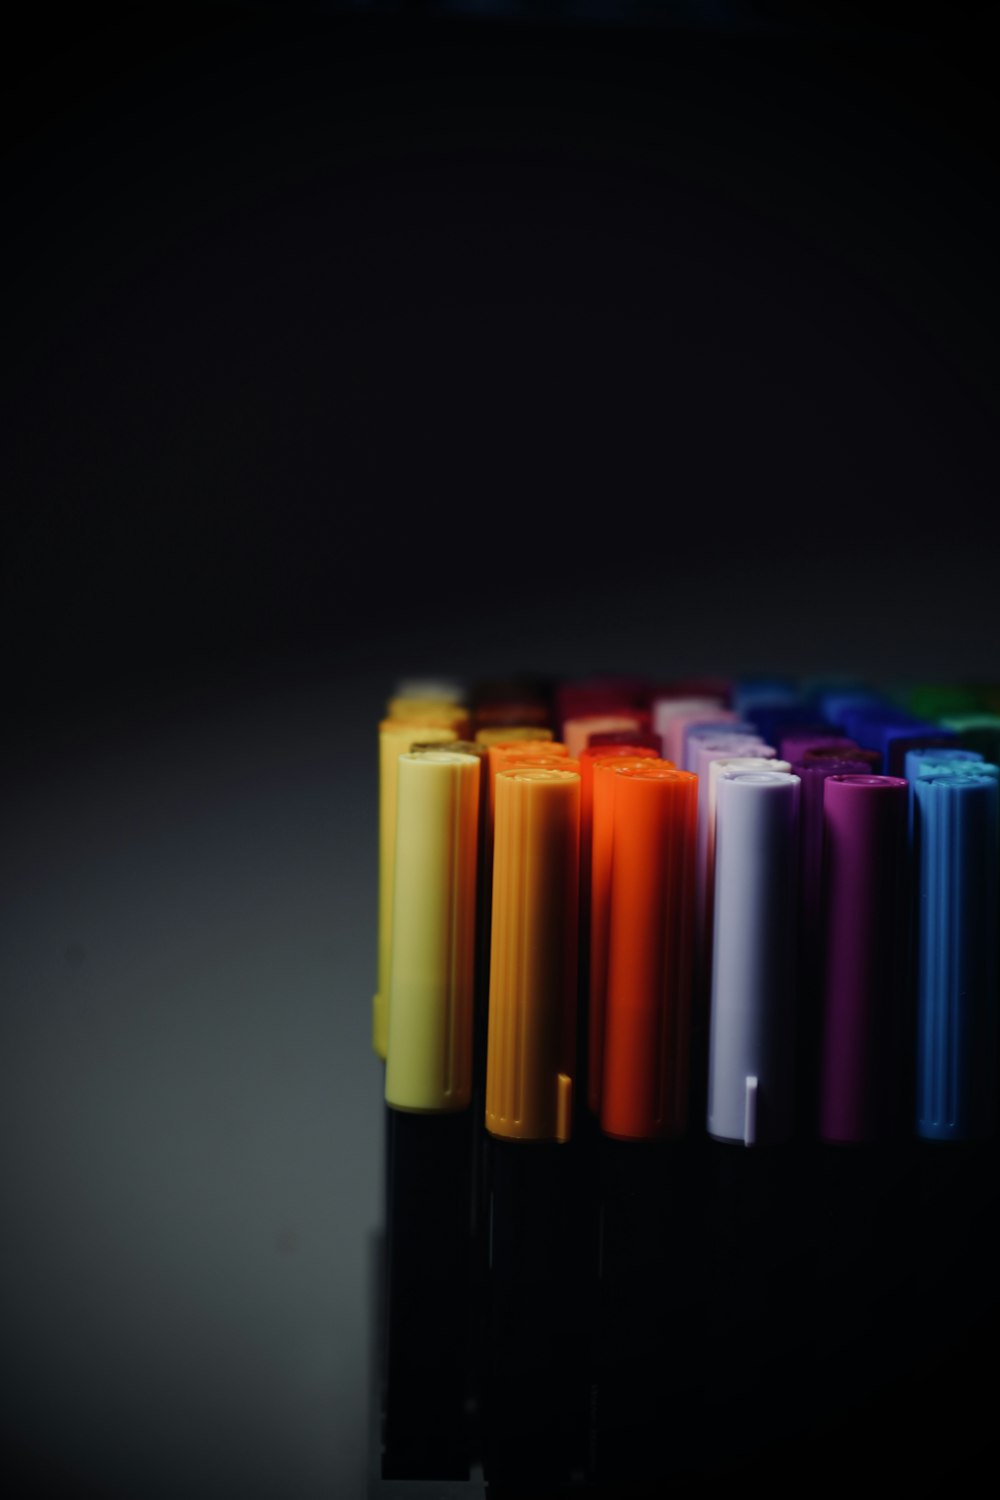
x=957 y=847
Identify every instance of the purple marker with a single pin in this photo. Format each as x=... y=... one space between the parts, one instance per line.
x=794 y=745
x=813 y=778
x=865 y=843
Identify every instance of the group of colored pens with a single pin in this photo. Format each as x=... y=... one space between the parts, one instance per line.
x=715 y=885
x=621 y=922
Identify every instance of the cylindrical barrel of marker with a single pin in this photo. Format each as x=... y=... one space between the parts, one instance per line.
x=864 y=925
x=394 y=739
x=533 y=954
x=821 y=754
x=648 y=1009
x=751 y=1038
x=432 y=968
x=602 y=800
x=794 y=745
x=576 y=732
x=956 y=850
x=720 y=768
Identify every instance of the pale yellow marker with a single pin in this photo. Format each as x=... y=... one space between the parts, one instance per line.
x=427 y=711
x=432 y=973
x=394 y=739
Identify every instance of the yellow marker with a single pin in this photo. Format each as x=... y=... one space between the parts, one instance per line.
x=426 y=711
x=532 y=1007
x=394 y=740
x=432 y=974
x=508 y=734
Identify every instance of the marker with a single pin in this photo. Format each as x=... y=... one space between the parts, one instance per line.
x=751 y=1037
x=792 y=746
x=865 y=844
x=924 y=759
x=603 y=755
x=665 y=709
x=892 y=732
x=756 y=692
x=936 y=701
x=603 y=770
x=646 y=1273
x=428 y=1089
x=719 y=767
x=647 y=1020
x=433 y=690
x=810 y=932
x=773 y=720
x=863 y=1197
x=536 y=1387
x=836 y=705
x=635 y=738
x=757 y=1212
x=677 y=725
x=711 y=728
x=976 y=732
x=956 y=850
x=576 y=731
x=394 y=739
x=820 y=755
x=426 y=712
x=512 y=734
x=497 y=715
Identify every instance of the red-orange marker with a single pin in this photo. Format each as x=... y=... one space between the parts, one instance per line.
x=647 y=1022
x=602 y=770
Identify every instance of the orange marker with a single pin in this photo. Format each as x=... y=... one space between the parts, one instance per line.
x=601 y=831
x=532 y=1006
x=647 y=1022
x=587 y=759
x=505 y=753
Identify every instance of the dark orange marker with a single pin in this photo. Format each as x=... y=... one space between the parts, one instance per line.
x=603 y=769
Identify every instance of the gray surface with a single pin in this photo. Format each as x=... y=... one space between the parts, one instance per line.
x=191 y=1125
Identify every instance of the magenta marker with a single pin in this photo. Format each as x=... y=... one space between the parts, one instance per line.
x=865 y=844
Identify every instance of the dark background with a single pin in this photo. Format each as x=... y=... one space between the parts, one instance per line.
x=341 y=342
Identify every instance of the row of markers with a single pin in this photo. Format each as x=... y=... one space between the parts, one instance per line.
x=773 y=907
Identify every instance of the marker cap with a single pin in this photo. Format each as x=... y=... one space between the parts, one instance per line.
x=431 y=978
x=794 y=744
x=750 y=693
x=956 y=847
x=511 y=734
x=576 y=731
x=495 y=715
x=394 y=740
x=720 y=767
x=637 y=739
x=533 y=955
x=678 y=728
x=750 y=1075
x=425 y=711
x=695 y=709
x=821 y=754
x=926 y=758
x=430 y=690
x=600 y=773
x=977 y=732
x=864 y=901
x=648 y=1007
